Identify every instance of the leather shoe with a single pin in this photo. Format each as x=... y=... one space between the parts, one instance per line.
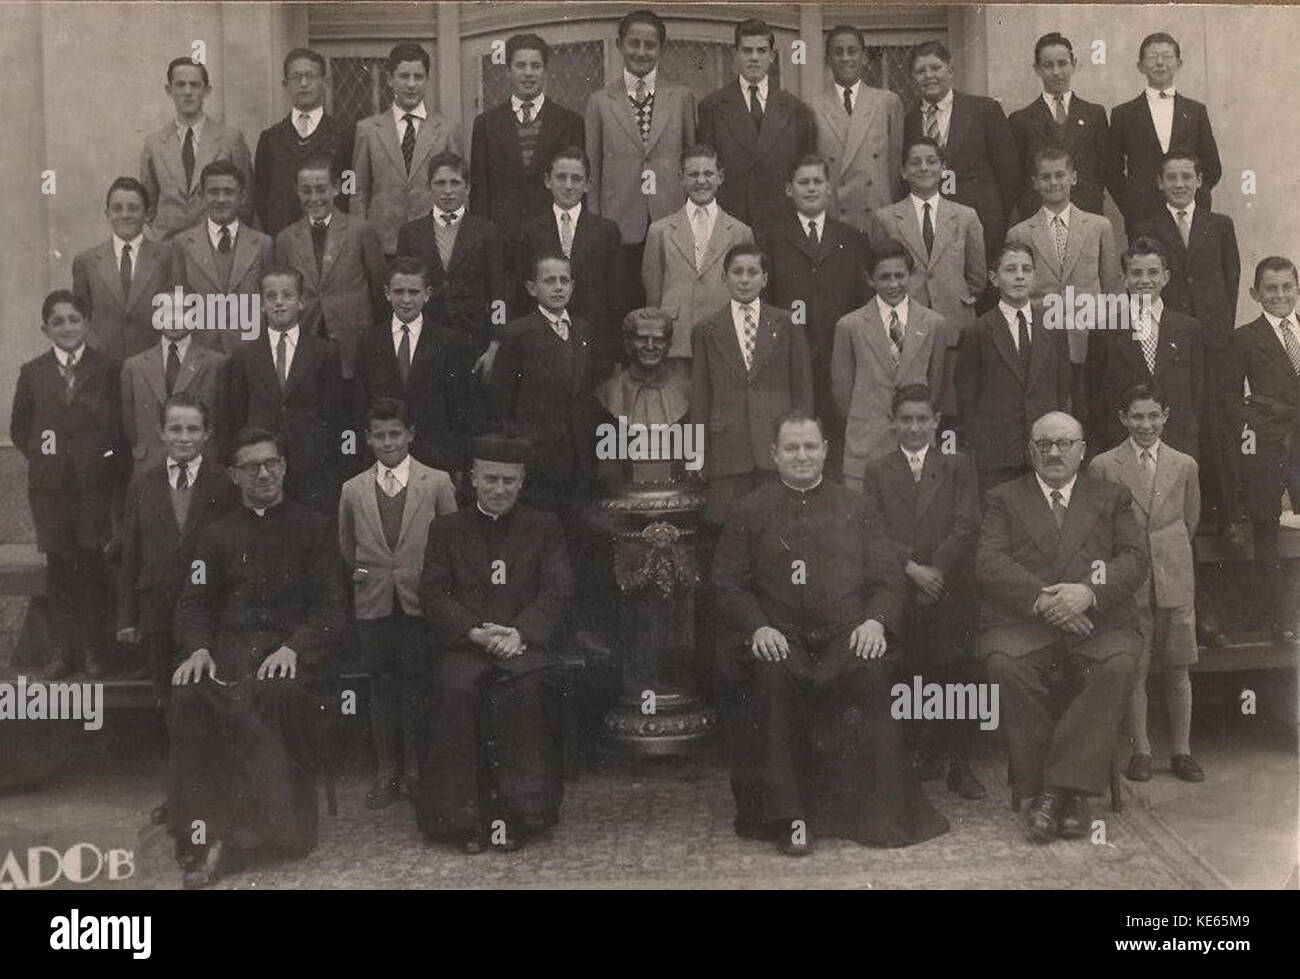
x=513 y=841
x=384 y=792
x=206 y=872
x=1075 y=818
x=57 y=669
x=1043 y=816
x=1185 y=767
x=1285 y=636
x=1139 y=769
x=963 y=781
x=792 y=848
x=158 y=815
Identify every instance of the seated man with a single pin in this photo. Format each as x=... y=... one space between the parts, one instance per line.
x=806 y=591
x=1060 y=558
x=495 y=585
x=256 y=629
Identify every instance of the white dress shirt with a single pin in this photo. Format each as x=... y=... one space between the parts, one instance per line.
x=574 y=213
x=135 y=243
x=1276 y=323
x=1162 y=114
x=516 y=106
x=1138 y=450
x=401 y=472
x=762 y=91
x=1050 y=101
x=214 y=233
x=916 y=460
x=944 y=118
x=439 y=212
x=399 y=118
x=919 y=204
x=314 y=117
x=885 y=309
x=1009 y=314
x=710 y=216
x=853 y=91
x=1066 y=491
x=819 y=221
x=630 y=80
x=182 y=348
x=414 y=327
x=66 y=359
x=1190 y=210
x=197 y=126
x=291 y=345
x=555 y=320
x=1048 y=214
x=1138 y=322
x=191 y=471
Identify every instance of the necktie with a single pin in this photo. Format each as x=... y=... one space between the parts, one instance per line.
x=282 y=359
x=404 y=354
x=1060 y=109
x=319 y=230
x=1290 y=343
x=183 y=476
x=1184 y=228
x=561 y=328
x=1149 y=471
x=812 y=234
x=848 y=101
x=748 y=335
x=126 y=271
x=1148 y=337
x=173 y=369
x=449 y=218
x=927 y=231
x=641 y=103
x=223 y=240
x=917 y=466
x=1058 y=509
x=526 y=111
x=70 y=378
x=699 y=222
x=755 y=108
x=408 y=141
x=1022 y=337
x=1058 y=236
x=932 y=120
x=187 y=157
x=896 y=334
x=390 y=483
x=304 y=125
x=566 y=234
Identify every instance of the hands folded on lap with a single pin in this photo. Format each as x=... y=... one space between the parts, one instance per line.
x=1063 y=606
x=500 y=640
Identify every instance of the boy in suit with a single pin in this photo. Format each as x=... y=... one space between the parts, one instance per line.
x=291 y=383
x=308 y=132
x=928 y=503
x=760 y=132
x=1157 y=121
x=1072 y=247
x=1167 y=505
x=682 y=266
x=1060 y=117
x=750 y=366
x=946 y=242
x=1266 y=353
x=889 y=342
x=174 y=364
x=384 y=518
x=821 y=264
x=1205 y=273
x=392 y=152
x=174 y=155
x=66 y=421
x=425 y=365
x=340 y=260
x=859 y=133
x=594 y=249
x=975 y=138
x=1010 y=371
x=513 y=143
x=222 y=254
x=117 y=280
x=638 y=122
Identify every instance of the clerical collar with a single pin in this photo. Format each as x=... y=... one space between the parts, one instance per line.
x=262 y=511
x=802 y=489
x=493 y=517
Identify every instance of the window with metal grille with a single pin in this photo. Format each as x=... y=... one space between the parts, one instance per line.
x=704 y=66
x=573 y=72
x=890 y=67
x=359 y=88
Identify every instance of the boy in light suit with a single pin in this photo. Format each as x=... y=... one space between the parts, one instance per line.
x=1167 y=503
x=384 y=518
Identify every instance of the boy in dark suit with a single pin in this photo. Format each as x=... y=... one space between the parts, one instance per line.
x=291 y=383
x=307 y=132
x=592 y=245
x=67 y=422
x=1010 y=370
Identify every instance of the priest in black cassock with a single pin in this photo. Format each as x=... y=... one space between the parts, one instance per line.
x=810 y=606
x=256 y=627
x=496 y=585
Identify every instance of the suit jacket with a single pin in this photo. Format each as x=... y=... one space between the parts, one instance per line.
x=543 y=385
x=121 y=325
x=474 y=279
x=194 y=266
x=387 y=195
x=346 y=293
x=1257 y=356
x=457 y=591
x=1091 y=264
x=176 y=207
x=1116 y=361
x=1205 y=274
x=280 y=151
x=864 y=375
x=1021 y=552
x=309 y=411
x=997 y=399
x=619 y=157
x=144 y=390
x=738 y=406
x=1167 y=512
x=671 y=280
x=982 y=152
x=501 y=188
x=157 y=552
x=599 y=272
x=862 y=150
x=1085 y=134
x=437 y=392
x=378 y=571
x=757 y=163
x=1134 y=154
x=74 y=450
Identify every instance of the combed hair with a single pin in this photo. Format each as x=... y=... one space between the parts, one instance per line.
x=1274 y=263
x=253 y=435
x=527 y=42
x=911 y=392
x=304 y=54
x=131 y=184
x=407 y=51
x=796 y=416
x=185 y=399
x=388 y=409
x=63 y=296
x=1140 y=392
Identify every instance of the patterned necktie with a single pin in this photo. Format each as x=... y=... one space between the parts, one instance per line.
x=187 y=157
x=566 y=234
x=917 y=466
x=282 y=359
x=1059 y=234
x=848 y=102
x=1290 y=343
x=319 y=231
x=700 y=225
x=182 y=476
x=927 y=231
x=526 y=111
x=125 y=271
x=755 y=108
x=1058 y=509
x=173 y=370
x=404 y=354
x=1149 y=472
x=304 y=125
x=749 y=334
x=1148 y=337
x=1184 y=228
x=812 y=234
x=1060 y=109
x=896 y=335
x=390 y=483
x=932 y=120
x=408 y=141
x=223 y=240
x=69 y=370
x=1022 y=337
x=561 y=327
x=641 y=106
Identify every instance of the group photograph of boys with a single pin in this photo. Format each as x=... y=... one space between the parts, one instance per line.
x=859 y=483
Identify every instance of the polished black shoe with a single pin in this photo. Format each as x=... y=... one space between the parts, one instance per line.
x=1075 y=818
x=1185 y=767
x=513 y=841
x=158 y=815
x=206 y=871
x=801 y=847
x=963 y=781
x=1139 y=768
x=384 y=792
x=1043 y=816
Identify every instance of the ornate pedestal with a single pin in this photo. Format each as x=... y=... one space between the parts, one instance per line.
x=652 y=526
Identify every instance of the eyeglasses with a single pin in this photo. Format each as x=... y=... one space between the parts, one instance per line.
x=273 y=467
x=1062 y=445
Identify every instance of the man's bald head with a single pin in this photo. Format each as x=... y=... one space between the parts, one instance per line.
x=1056 y=447
x=1055 y=425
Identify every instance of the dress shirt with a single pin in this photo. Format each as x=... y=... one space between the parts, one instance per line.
x=630 y=80
x=1009 y=314
x=314 y=117
x=182 y=348
x=944 y=119
x=1138 y=322
x=919 y=203
x=819 y=221
x=1050 y=101
x=1190 y=209
x=401 y=472
x=1066 y=491
x=197 y=126
x=710 y=216
x=574 y=213
x=1138 y=450
x=1276 y=323
x=191 y=472
x=135 y=244
x=291 y=335
x=555 y=320
x=399 y=118
x=214 y=233
x=439 y=212
x=516 y=106
x=1162 y=114
x=738 y=321
x=1048 y=214
x=854 y=90
x=414 y=327
x=918 y=457
x=762 y=91
x=886 y=309
x=66 y=359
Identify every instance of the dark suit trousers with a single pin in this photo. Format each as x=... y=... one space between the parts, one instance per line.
x=79 y=601
x=1272 y=467
x=491 y=746
x=633 y=287
x=158 y=649
x=243 y=760
x=1069 y=749
x=1220 y=451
